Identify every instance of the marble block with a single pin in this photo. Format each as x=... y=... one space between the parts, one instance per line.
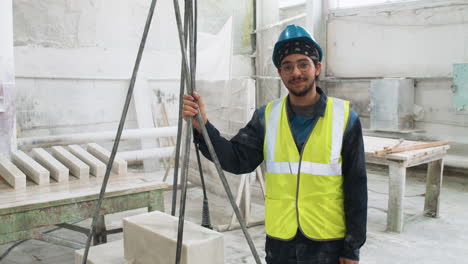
x=56 y=169
x=152 y=239
x=119 y=166
x=11 y=174
x=31 y=168
x=109 y=253
x=97 y=167
x=76 y=166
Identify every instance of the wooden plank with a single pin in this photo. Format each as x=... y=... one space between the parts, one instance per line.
x=36 y=197
x=246 y=205
x=261 y=181
x=372 y=158
x=396 y=190
x=157 y=123
x=142 y=97
x=166 y=123
x=435 y=172
x=240 y=191
x=373 y=144
x=20 y=225
x=413 y=147
x=425 y=159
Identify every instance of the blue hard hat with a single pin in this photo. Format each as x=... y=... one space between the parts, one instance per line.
x=294 y=32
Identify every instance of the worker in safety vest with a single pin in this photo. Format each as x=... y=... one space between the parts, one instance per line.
x=312 y=146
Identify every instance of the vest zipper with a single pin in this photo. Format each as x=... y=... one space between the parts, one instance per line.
x=300 y=163
x=299 y=178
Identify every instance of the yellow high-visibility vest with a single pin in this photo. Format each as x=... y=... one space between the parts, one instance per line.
x=305 y=190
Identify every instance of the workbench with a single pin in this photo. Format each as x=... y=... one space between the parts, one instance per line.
x=22 y=212
x=398 y=163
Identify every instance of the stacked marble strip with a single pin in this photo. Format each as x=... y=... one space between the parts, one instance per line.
x=57 y=163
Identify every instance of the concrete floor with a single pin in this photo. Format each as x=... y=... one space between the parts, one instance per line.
x=424 y=240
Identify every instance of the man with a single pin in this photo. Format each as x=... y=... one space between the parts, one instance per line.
x=312 y=146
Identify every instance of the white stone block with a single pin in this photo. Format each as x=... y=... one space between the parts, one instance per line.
x=109 y=253
x=97 y=167
x=119 y=166
x=11 y=174
x=31 y=168
x=152 y=238
x=56 y=169
x=76 y=166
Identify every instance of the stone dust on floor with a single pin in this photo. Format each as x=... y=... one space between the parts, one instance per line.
x=423 y=240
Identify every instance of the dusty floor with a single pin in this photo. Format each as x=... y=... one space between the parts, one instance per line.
x=424 y=240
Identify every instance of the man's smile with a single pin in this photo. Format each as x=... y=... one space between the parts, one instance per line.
x=298 y=81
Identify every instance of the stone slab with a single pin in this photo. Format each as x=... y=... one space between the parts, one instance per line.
x=119 y=166
x=97 y=167
x=109 y=253
x=74 y=164
x=31 y=168
x=152 y=238
x=11 y=174
x=56 y=169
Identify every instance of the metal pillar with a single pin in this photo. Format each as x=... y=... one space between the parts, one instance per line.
x=316 y=23
x=7 y=80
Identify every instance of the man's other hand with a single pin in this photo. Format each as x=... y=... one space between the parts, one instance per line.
x=348 y=261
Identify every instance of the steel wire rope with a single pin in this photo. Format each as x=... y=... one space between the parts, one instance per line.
x=120 y=127
x=183 y=77
x=210 y=146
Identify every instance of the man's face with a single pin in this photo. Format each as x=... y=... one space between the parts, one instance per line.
x=298 y=73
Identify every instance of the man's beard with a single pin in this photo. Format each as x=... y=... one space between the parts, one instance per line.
x=303 y=92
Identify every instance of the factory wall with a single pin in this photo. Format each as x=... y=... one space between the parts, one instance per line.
x=7 y=81
x=74 y=60
x=77 y=56
x=421 y=40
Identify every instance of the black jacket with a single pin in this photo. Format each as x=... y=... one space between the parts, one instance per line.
x=244 y=153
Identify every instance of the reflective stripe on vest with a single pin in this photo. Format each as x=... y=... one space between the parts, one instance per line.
x=306 y=167
x=318 y=208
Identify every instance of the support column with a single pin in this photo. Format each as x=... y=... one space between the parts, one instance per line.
x=7 y=80
x=100 y=236
x=316 y=23
x=266 y=82
x=396 y=193
x=142 y=100
x=435 y=170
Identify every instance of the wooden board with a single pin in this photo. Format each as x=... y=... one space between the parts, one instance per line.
x=35 y=196
x=373 y=144
x=22 y=212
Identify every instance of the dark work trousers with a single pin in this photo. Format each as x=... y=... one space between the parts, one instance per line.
x=301 y=250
